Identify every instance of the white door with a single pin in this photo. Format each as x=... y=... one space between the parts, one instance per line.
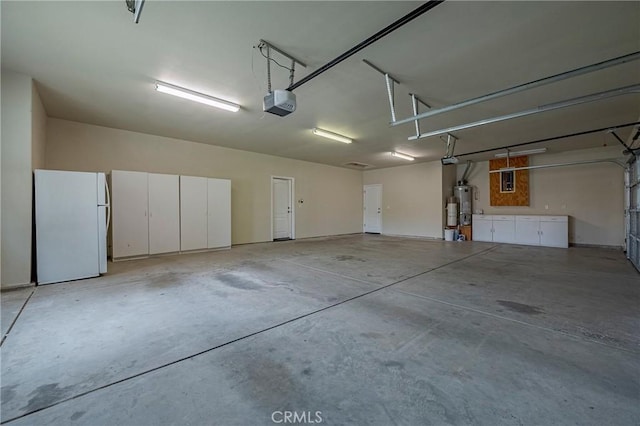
x=66 y=225
x=193 y=213
x=282 y=225
x=528 y=230
x=372 y=209
x=130 y=203
x=504 y=229
x=164 y=213
x=219 y=208
x=482 y=228
x=554 y=232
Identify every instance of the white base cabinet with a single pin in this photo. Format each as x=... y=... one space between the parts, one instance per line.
x=482 y=227
x=504 y=229
x=554 y=231
x=548 y=231
x=493 y=228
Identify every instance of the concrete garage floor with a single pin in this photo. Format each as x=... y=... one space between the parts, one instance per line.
x=364 y=329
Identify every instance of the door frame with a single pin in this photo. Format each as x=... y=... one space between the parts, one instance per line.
x=292 y=191
x=364 y=203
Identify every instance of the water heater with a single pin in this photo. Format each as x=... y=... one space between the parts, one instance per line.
x=463 y=194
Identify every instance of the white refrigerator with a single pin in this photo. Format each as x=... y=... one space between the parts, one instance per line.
x=72 y=217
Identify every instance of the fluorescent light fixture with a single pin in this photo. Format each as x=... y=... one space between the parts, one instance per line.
x=403 y=156
x=517 y=153
x=180 y=92
x=331 y=135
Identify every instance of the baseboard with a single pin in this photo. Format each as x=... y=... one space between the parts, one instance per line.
x=418 y=237
x=601 y=246
x=12 y=287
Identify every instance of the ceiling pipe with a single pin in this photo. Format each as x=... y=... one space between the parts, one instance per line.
x=377 y=36
x=546 y=166
x=549 y=107
x=570 y=135
x=526 y=86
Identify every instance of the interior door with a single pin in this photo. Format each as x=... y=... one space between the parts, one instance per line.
x=193 y=213
x=66 y=225
x=373 y=209
x=281 y=209
x=219 y=208
x=164 y=213
x=130 y=220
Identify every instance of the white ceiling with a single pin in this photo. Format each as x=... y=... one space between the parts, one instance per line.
x=93 y=64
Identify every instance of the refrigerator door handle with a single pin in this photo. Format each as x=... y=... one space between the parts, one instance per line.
x=106 y=187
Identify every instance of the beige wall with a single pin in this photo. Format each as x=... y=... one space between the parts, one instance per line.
x=16 y=179
x=592 y=195
x=38 y=130
x=332 y=196
x=411 y=199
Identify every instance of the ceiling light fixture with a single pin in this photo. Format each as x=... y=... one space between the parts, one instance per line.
x=517 y=153
x=331 y=135
x=403 y=156
x=180 y=92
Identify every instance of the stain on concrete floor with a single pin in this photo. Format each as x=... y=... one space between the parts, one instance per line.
x=344 y=258
x=521 y=307
x=46 y=395
x=238 y=281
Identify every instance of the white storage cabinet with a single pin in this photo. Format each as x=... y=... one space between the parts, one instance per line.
x=219 y=213
x=205 y=213
x=494 y=228
x=193 y=213
x=164 y=213
x=130 y=219
x=482 y=227
x=548 y=231
x=535 y=230
x=146 y=215
x=554 y=231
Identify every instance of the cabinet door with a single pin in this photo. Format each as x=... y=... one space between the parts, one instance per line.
x=219 y=211
x=504 y=229
x=193 y=213
x=482 y=229
x=554 y=233
x=527 y=230
x=164 y=213
x=130 y=222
